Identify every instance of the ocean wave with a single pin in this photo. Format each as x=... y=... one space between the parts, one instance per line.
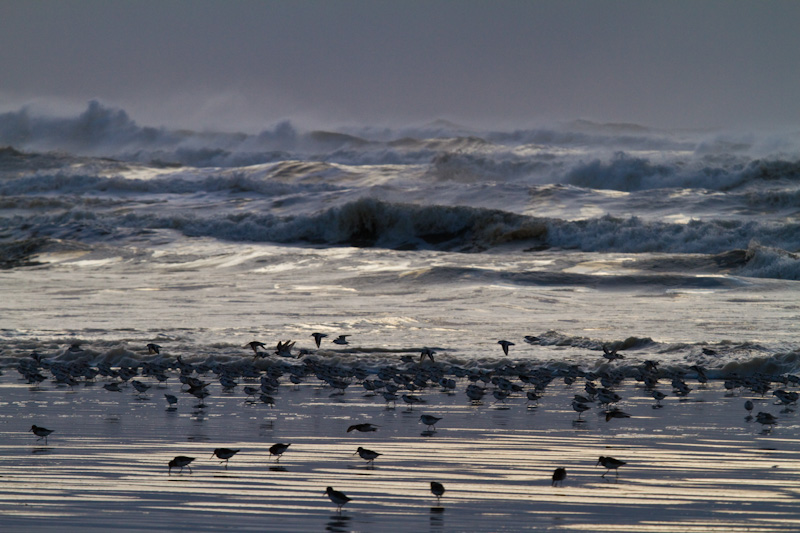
x=71 y=182
x=624 y=172
x=369 y=222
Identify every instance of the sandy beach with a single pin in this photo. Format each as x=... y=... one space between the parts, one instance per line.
x=695 y=464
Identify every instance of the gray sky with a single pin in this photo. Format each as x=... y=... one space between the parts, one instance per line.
x=246 y=64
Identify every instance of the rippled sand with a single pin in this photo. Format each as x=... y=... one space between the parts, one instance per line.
x=693 y=465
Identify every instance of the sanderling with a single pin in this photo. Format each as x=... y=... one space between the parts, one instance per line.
x=749 y=406
x=363 y=428
x=411 y=400
x=225 y=454
x=255 y=345
x=437 y=489
x=318 y=337
x=579 y=407
x=338 y=498
x=426 y=352
x=430 y=421
x=558 y=476
x=766 y=420
x=341 y=339
x=277 y=450
x=368 y=455
x=505 y=345
x=40 y=432
x=179 y=462
x=140 y=387
x=610 y=464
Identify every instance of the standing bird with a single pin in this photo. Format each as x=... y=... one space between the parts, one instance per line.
x=430 y=421
x=765 y=419
x=438 y=490
x=318 y=337
x=179 y=462
x=749 y=406
x=505 y=345
x=579 y=407
x=368 y=455
x=40 y=432
x=341 y=340
x=225 y=454
x=559 y=474
x=610 y=464
x=338 y=498
x=277 y=450
x=411 y=400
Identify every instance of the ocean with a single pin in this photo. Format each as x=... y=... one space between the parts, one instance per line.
x=572 y=241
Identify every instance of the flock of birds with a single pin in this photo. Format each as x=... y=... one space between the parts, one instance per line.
x=398 y=381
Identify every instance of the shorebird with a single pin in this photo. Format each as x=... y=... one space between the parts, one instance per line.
x=430 y=421
x=532 y=396
x=171 y=399
x=284 y=349
x=411 y=400
x=112 y=387
x=390 y=397
x=579 y=407
x=426 y=352
x=363 y=428
x=437 y=489
x=368 y=455
x=610 y=464
x=558 y=477
x=505 y=345
x=766 y=419
x=179 y=462
x=40 y=432
x=140 y=387
x=341 y=340
x=338 y=498
x=225 y=454
x=658 y=396
x=318 y=337
x=749 y=406
x=611 y=355
x=153 y=349
x=500 y=395
x=616 y=413
x=277 y=450
x=255 y=345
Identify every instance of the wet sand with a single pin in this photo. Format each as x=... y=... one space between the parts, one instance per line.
x=693 y=465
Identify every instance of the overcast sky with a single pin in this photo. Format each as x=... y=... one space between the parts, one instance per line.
x=247 y=64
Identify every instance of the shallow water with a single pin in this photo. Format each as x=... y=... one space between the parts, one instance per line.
x=692 y=464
